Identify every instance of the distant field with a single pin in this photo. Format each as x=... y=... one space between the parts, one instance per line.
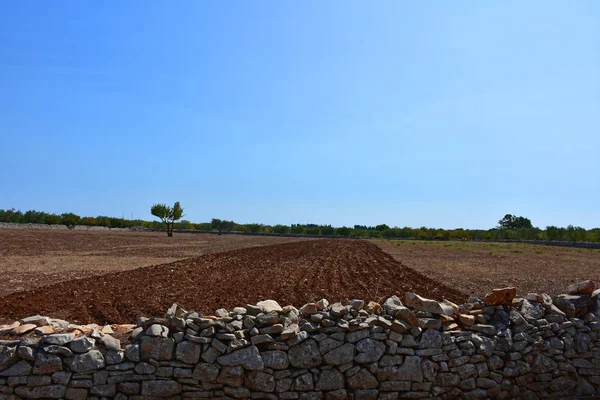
x=475 y=267
x=31 y=258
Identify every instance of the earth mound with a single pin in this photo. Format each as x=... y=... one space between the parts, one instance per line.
x=290 y=273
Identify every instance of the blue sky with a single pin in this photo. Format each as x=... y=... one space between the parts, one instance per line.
x=341 y=112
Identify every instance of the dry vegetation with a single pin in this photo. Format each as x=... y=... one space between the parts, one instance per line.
x=475 y=268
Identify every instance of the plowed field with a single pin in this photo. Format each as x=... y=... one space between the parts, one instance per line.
x=291 y=273
x=31 y=258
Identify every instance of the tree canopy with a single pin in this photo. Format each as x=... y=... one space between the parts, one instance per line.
x=167 y=214
x=513 y=222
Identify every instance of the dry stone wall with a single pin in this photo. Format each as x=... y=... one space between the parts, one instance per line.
x=500 y=347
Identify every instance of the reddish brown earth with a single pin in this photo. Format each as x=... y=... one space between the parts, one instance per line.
x=291 y=273
x=31 y=258
x=476 y=268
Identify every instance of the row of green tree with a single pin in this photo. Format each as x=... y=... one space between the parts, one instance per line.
x=509 y=228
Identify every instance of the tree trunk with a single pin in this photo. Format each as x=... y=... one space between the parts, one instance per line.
x=170 y=230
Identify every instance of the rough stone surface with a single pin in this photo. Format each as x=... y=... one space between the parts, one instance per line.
x=248 y=358
x=532 y=348
x=89 y=361
x=422 y=304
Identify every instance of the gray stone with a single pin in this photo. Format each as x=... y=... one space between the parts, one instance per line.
x=304 y=382
x=430 y=339
x=37 y=320
x=275 y=359
x=328 y=344
x=39 y=380
x=41 y=392
x=59 y=339
x=46 y=364
x=248 y=357
x=543 y=364
x=258 y=339
x=76 y=393
x=305 y=354
x=82 y=344
x=369 y=351
x=237 y=392
x=411 y=369
x=330 y=379
x=105 y=390
x=363 y=379
x=157 y=348
x=353 y=337
x=26 y=353
x=231 y=376
x=391 y=305
x=61 y=377
x=188 y=352
x=144 y=368
x=18 y=369
x=340 y=355
x=8 y=356
x=60 y=350
x=422 y=304
x=260 y=381
x=532 y=310
x=356 y=304
x=160 y=388
x=157 y=330
x=206 y=372
x=132 y=352
x=129 y=388
x=114 y=357
x=89 y=361
x=110 y=342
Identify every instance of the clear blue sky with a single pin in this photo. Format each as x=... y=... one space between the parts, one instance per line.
x=447 y=114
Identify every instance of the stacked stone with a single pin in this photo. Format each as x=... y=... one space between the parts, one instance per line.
x=499 y=347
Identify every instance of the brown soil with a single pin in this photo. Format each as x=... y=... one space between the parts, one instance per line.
x=31 y=258
x=477 y=268
x=291 y=273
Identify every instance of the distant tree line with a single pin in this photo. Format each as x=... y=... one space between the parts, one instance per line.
x=509 y=228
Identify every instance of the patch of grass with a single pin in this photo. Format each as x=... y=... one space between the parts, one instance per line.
x=491 y=253
x=517 y=251
x=447 y=245
x=539 y=252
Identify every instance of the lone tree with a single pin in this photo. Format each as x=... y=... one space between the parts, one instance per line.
x=168 y=215
x=513 y=222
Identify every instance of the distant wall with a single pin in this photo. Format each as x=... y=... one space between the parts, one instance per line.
x=527 y=349
x=8 y=225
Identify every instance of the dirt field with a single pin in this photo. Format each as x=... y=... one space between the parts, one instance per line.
x=104 y=276
x=30 y=258
x=291 y=273
x=476 y=268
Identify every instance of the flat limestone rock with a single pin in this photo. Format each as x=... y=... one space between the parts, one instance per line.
x=268 y=306
x=23 y=329
x=422 y=304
